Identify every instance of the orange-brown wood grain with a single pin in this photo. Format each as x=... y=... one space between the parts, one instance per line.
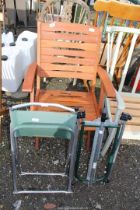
x=67 y=50
x=118 y=9
x=28 y=83
x=68 y=60
x=120 y=14
x=108 y=86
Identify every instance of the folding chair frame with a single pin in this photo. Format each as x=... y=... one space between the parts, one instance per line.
x=96 y=147
x=70 y=158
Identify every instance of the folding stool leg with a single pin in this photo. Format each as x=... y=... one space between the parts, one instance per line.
x=69 y=155
x=80 y=143
x=96 y=150
x=91 y=166
x=17 y=157
x=73 y=158
x=13 y=153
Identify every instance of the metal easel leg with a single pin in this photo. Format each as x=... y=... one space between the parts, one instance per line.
x=80 y=143
x=117 y=142
x=96 y=150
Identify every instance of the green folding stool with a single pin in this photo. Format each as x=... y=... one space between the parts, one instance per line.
x=29 y=123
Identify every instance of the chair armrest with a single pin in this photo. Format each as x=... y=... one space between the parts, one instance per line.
x=106 y=82
x=28 y=83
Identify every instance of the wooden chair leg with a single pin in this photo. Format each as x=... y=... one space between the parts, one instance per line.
x=88 y=141
x=37 y=143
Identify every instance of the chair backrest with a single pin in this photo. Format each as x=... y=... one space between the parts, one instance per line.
x=76 y=11
x=119 y=14
x=68 y=50
x=113 y=52
x=51 y=11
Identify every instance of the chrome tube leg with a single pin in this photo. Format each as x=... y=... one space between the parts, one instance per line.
x=69 y=155
x=96 y=150
x=97 y=155
x=13 y=154
x=92 y=157
x=73 y=158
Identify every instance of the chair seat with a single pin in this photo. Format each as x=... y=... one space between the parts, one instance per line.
x=40 y=124
x=132 y=103
x=84 y=100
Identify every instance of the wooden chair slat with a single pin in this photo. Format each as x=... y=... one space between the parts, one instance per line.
x=69 y=44
x=133 y=128
x=69 y=68
x=73 y=37
x=134 y=113
x=45 y=60
x=128 y=105
x=76 y=28
x=63 y=93
x=65 y=74
x=71 y=53
x=131 y=99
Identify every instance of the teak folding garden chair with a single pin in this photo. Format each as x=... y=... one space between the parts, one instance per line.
x=68 y=50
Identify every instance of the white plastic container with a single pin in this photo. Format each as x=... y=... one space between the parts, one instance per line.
x=31 y=39
x=31 y=36
x=20 y=57
x=7 y=38
x=3 y=38
x=12 y=69
x=28 y=57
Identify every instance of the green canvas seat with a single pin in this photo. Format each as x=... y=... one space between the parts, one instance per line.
x=42 y=124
